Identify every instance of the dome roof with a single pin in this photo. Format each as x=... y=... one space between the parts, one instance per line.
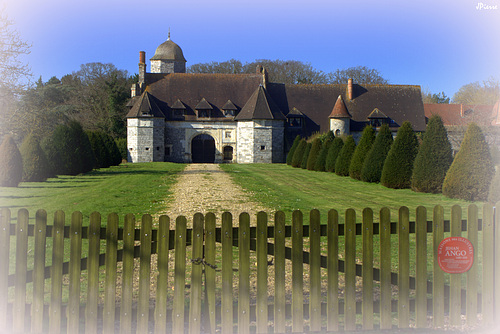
x=168 y=50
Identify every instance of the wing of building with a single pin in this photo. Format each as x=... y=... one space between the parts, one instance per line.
x=244 y=118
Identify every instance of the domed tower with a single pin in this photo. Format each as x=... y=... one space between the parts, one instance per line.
x=168 y=58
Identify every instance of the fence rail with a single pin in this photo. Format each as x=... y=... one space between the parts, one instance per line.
x=314 y=277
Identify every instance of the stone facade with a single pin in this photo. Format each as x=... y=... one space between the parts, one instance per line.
x=145 y=139
x=163 y=66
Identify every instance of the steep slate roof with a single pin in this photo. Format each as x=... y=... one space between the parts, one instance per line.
x=146 y=106
x=203 y=104
x=260 y=106
x=399 y=102
x=178 y=105
x=460 y=114
x=339 y=110
x=376 y=113
x=229 y=105
x=295 y=112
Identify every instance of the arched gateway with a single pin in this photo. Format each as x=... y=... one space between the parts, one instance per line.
x=203 y=149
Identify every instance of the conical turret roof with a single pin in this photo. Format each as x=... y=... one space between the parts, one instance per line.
x=339 y=109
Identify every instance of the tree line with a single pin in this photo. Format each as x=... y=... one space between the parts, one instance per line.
x=424 y=164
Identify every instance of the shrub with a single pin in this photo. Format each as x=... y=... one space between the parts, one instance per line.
x=101 y=153
x=11 y=163
x=374 y=162
x=333 y=152
x=359 y=155
x=289 y=156
x=305 y=156
x=321 y=161
x=398 y=165
x=494 y=196
x=115 y=157
x=121 y=143
x=313 y=154
x=471 y=171
x=299 y=152
x=433 y=159
x=344 y=158
x=35 y=163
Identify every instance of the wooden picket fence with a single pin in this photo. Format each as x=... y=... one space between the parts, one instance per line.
x=71 y=278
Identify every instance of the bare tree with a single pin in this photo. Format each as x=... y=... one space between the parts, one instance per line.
x=359 y=74
x=476 y=93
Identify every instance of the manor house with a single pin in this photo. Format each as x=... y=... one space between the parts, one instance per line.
x=244 y=118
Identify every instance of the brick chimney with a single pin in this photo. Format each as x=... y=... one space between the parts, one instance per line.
x=461 y=110
x=349 y=89
x=142 y=67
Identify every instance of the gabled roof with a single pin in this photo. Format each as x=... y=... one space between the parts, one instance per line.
x=260 y=106
x=295 y=113
x=145 y=106
x=339 y=109
x=178 y=105
x=460 y=114
x=203 y=105
x=229 y=105
x=376 y=113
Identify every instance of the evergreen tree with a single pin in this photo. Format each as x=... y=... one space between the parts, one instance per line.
x=101 y=153
x=299 y=152
x=494 y=196
x=433 y=159
x=35 y=164
x=121 y=143
x=359 y=155
x=289 y=156
x=321 y=161
x=344 y=158
x=398 y=165
x=471 y=172
x=313 y=155
x=11 y=163
x=374 y=162
x=333 y=152
x=114 y=153
x=305 y=157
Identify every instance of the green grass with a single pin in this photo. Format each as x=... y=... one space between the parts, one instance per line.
x=282 y=187
x=141 y=188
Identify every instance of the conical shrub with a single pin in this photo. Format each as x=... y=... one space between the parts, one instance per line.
x=359 y=155
x=433 y=159
x=305 y=157
x=374 y=162
x=35 y=164
x=11 y=163
x=313 y=154
x=398 y=165
x=101 y=153
x=114 y=153
x=289 y=156
x=344 y=158
x=321 y=161
x=472 y=170
x=299 y=152
x=333 y=152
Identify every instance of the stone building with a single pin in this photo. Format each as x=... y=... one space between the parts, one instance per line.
x=245 y=118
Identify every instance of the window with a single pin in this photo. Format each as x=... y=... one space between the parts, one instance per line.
x=203 y=113
x=178 y=113
x=337 y=133
x=295 y=122
x=228 y=153
x=262 y=147
x=168 y=150
x=228 y=134
x=147 y=148
x=228 y=112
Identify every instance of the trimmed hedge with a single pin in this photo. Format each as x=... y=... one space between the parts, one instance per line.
x=299 y=152
x=433 y=159
x=305 y=156
x=359 y=155
x=289 y=156
x=344 y=158
x=313 y=154
x=470 y=174
x=11 y=163
x=398 y=165
x=35 y=163
x=374 y=162
x=333 y=152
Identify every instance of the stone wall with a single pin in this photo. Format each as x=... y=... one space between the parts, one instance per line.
x=163 y=66
x=145 y=139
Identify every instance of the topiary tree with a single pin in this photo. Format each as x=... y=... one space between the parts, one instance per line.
x=313 y=154
x=359 y=155
x=333 y=152
x=433 y=159
x=11 y=163
x=398 y=165
x=344 y=158
x=299 y=152
x=35 y=163
x=101 y=153
x=305 y=157
x=471 y=171
x=374 y=162
x=289 y=156
x=321 y=161
x=114 y=153
x=494 y=196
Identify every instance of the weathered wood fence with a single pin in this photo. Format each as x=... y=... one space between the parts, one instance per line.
x=71 y=278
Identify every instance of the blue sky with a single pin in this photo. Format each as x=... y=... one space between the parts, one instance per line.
x=440 y=45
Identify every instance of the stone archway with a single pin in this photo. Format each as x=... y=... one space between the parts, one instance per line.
x=203 y=149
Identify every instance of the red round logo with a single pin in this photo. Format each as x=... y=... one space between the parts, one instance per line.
x=455 y=255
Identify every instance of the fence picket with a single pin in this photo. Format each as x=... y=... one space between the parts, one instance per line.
x=144 y=274
x=437 y=273
x=367 y=309
x=4 y=266
x=297 y=272
x=261 y=308
x=244 y=274
x=333 y=271
x=110 y=280
x=471 y=300
x=75 y=258
x=455 y=279
x=93 y=273
x=496 y=273
x=421 y=268
x=227 y=273
x=19 y=311
x=279 y=273
x=488 y=265
x=350 y=271
x=404 y=268
x=210 y=237
x=315 y=271
x=196 y=272
x=55 y=314
x=127 y=274
x=385 y=269
x=38 y=271
x=180 y=275
x=162 y=278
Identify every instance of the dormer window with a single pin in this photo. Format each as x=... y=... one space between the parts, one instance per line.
x=295 y=118
x=203 y=109
x=229 y=109
x=377 y=118
x=178 y=109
